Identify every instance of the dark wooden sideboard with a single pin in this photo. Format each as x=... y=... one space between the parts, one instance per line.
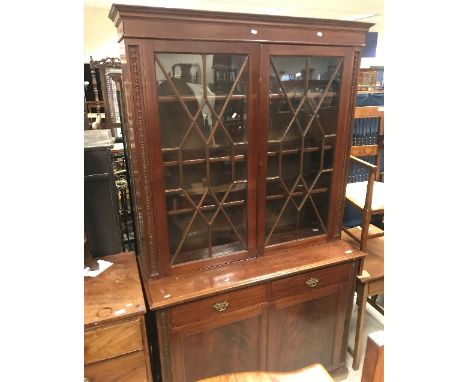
x=115 y=343
x=239 y=132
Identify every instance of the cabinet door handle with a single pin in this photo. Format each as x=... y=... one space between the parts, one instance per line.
x=312 y=282
x=221 y=306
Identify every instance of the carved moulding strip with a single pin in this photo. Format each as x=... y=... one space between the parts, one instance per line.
x=137 y=90
x=349 y=125
x=164 y=346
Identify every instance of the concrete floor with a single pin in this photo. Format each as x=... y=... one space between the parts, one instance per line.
x=374 y=322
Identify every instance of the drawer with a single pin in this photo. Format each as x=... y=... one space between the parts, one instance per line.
x=126 y=368
x=112 y=341
x=214 y=307
x=310 y=281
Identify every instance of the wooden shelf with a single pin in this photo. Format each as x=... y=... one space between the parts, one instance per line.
x=191 y=98
x=237 y=158
x=301 y=94
x=296 y=151
x=288 y=233
x=314 y=191
x=218 y=251
x=238 y=186
x=206 y=208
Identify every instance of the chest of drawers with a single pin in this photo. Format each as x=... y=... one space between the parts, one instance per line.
x=115 y=342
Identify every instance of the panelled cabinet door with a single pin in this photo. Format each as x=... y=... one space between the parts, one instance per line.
x=219 y=335
x=303 y=104
x=204 y=101
x=307 y=319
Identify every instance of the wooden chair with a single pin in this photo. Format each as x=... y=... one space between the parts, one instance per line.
x=370 y=283
x=367 y=196
x=313 y=373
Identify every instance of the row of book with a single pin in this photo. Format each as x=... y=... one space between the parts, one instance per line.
x=358 y=173
x=366 y=131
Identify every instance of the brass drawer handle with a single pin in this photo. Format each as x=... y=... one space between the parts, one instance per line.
x=313 y=281
x=221 y=306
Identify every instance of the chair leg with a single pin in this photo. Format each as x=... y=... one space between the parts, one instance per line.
x=363 y=291
x=366 y=217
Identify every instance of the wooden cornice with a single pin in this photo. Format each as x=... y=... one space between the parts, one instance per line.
x=129 y=13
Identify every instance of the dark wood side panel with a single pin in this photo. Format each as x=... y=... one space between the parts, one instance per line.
x=346 y=144
x=137 y=129
x=340 y=161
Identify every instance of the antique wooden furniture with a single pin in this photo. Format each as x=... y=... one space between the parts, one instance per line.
x=313 y=373
x=115 y=344
x=367 y=196
x=373 y=369
x=370 y=283
x=238 y=128
x=108 y=107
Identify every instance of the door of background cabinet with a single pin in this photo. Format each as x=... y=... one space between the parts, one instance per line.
x=304 y=97
x=307 y=325
x=203 y=111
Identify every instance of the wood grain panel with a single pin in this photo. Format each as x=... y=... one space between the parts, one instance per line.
x=227 y=349
x=112 y=341
x=360 y=151
x=376 y=287
x=115 y=289
x=126 y=368
x=373 y=368
x=302 y=334
x=204 y=309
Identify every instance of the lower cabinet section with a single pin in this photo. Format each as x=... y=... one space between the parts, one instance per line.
x=280 y=325
x=307 y=319
x=213 y=351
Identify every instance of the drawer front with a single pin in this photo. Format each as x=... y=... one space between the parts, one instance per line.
x=217 y=306
x=112 y=341
x=310 y=281
x=126 y=368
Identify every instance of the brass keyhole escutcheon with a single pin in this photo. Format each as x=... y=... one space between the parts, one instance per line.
x=313 y=281
x=221 y=306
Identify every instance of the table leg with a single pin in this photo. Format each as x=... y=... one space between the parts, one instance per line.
x=363 y=291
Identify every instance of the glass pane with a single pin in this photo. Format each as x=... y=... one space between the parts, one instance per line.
x=203 y=123
x=304 y=99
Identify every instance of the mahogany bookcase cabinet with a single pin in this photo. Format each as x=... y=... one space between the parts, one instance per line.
x=239 y=129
